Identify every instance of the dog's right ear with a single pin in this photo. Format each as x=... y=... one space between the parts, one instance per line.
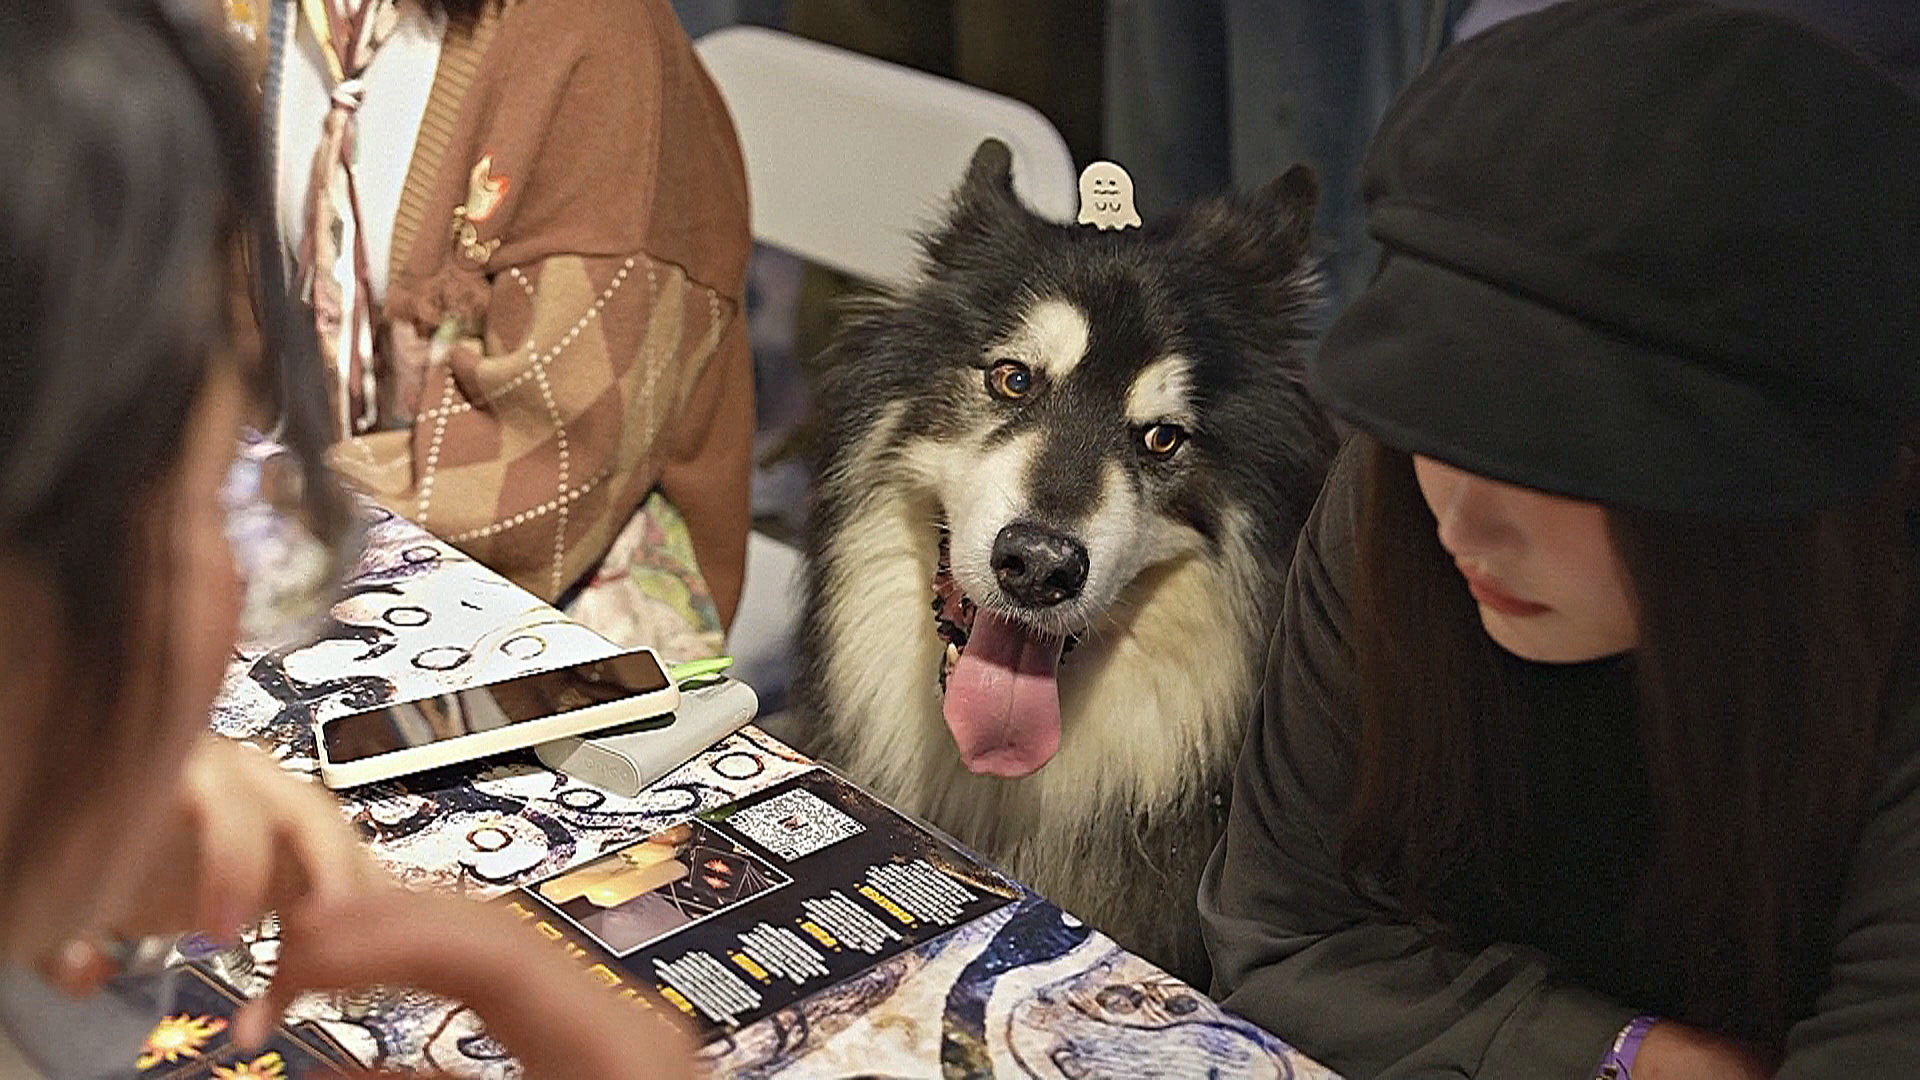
x=990 y=173
x=984 y=204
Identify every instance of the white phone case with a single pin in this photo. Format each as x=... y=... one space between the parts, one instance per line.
x=500 y=740
x=625 y=761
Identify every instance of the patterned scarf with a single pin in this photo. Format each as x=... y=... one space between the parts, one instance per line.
x=349 y=32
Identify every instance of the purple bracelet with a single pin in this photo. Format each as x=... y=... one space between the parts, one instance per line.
x=1618 y=1064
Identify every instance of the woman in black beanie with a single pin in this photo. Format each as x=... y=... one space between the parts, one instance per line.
x=1590 y=744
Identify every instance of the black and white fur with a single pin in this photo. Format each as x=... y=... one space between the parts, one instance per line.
x=1199 y=320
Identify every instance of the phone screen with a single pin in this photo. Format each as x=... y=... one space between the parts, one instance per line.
x=408 y=724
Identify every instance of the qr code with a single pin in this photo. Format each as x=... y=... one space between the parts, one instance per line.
x=795 y=824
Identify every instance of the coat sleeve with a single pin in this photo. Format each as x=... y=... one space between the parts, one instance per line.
x=1867 y=1022
x=1300 y=951
x=558 y=366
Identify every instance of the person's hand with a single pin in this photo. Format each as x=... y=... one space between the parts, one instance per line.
x=249 y=838
x=262 y=838
x=1673 y=1051
x=557 y=1020
x=242 y=837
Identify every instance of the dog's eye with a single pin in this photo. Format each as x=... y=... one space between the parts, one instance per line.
x=1161 y=440
x=1009 y=380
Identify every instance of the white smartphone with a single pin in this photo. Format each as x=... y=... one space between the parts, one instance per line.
x=492 y=718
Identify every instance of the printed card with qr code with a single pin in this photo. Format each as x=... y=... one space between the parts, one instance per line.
x=795 y=824
x=761 y=903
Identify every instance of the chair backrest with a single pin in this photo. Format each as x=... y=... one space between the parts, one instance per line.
x=848 y=156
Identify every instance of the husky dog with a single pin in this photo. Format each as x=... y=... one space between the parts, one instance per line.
x=1061 y=479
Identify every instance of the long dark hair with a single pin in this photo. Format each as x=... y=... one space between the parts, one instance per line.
x=1766 y=653
x=135 y=184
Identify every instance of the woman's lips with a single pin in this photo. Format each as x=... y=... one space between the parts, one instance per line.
x=1490 y=595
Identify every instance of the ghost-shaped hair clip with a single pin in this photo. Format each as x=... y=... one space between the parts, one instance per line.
x=1106 y=197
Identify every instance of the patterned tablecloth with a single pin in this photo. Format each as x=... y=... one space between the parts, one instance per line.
x=1026 y=992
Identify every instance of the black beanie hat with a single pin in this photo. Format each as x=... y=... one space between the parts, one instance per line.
x=1650 y=253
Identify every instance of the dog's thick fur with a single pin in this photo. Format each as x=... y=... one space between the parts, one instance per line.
x=1199 y=320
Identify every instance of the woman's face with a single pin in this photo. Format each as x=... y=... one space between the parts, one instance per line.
x=111 y=845
x=1542 y=568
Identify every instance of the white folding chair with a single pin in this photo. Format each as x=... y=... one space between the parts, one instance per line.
x=847 y=159
x=848 y=156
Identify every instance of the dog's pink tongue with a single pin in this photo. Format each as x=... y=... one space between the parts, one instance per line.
x=1003 y=703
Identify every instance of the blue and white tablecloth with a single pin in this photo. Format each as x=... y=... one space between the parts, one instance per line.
x=1026 y=992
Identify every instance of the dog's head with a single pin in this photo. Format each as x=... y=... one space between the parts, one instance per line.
x=1082 y=406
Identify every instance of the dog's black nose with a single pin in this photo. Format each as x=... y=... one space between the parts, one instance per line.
x=1037 y=567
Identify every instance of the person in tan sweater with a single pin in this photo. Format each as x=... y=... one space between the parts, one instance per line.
x=528 y=287
x=133 y=544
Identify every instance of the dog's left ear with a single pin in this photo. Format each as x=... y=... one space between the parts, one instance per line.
x=1262 y=236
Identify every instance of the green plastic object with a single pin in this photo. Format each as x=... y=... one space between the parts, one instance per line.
x=699 y=670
